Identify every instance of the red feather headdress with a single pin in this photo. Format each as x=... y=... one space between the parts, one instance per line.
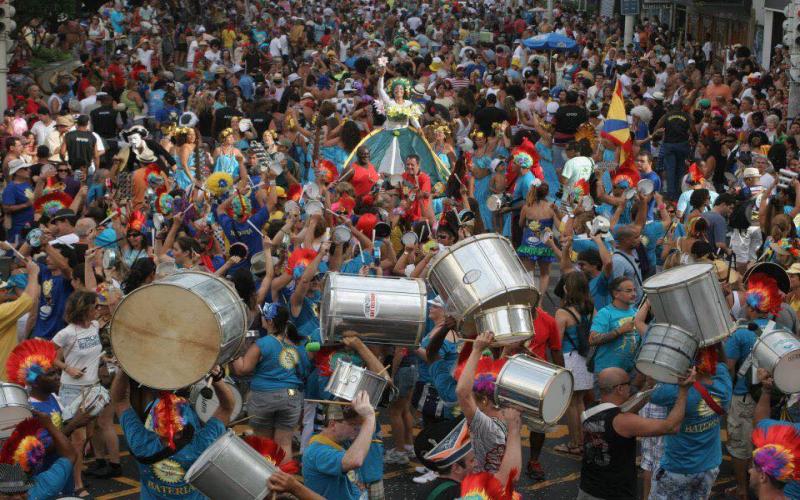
x=167 y=416
x=301 y=257
x=274 y=454
x=485 y=373
x=695 y=176
x=366 y=223
x=581 y=188
x=328 y=169
x=322 y=360
x=136 y=221
x=485 y=486
x=625 y=174
x=777 y=452
x=763 y=294
x=27 y=445
x=52 y=202
x=294 y=192
x=29 y=359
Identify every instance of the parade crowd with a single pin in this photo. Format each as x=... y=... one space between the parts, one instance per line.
x=273 y=143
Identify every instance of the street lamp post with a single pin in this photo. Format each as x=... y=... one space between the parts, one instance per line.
x=7 y=25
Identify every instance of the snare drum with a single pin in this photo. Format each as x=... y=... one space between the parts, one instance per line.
x=383 y=310
x=93 y=399
x=14 y=407
x=778 y=351
x=205 y=408
x=479 y=273
x=510 y=324
x=690 y=297
x=667 y=353
x=230 y=468
x=187 y=322
x=540 y=390
x=347 y=379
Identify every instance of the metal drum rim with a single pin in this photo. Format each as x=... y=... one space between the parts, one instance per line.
x=452 y=248
x=544 y=390
x=682 y=283
x=486 y=312
x=239 y=302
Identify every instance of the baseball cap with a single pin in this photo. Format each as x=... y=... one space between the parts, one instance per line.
x=293 y=78
x=17 y=164
x=690 y=61
x=750 y=172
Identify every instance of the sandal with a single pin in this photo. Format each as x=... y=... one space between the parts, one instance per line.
x=568 y=449
x=78 y=493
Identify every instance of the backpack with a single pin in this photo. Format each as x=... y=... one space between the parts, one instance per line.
x=584 y=328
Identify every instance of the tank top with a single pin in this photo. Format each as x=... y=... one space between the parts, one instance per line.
x=676 y=127
x=130 y=104
x=608 y=469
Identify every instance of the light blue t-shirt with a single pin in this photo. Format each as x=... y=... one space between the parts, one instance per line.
x=601 y=294
x=737 y=347
x=50 y=483
x=448 y=352
x=792 y=488
x=627 y=265
x=164 y=480
x=322 y=470
x=697 y=447
x=652 y=232
x=620 y=352
x=282 y=366
x=683 y=200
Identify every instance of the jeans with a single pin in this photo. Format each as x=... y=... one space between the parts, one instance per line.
x=674 y=155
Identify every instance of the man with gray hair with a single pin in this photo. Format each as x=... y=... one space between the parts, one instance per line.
x=608 y=469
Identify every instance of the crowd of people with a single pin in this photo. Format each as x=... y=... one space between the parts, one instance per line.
x=242 y=139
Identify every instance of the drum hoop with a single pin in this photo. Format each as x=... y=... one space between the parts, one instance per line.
x=710 y=267
x=658 y=344
x=16 y=405
x=211 y=451
x=544 y=390
x=486 y=312
x=238 y=302
x=452 y=248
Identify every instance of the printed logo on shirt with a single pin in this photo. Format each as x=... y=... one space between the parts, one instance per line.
x=288 y=358
x=168 y=471
x=88 y=342
x=704 y=410
x=29 y=193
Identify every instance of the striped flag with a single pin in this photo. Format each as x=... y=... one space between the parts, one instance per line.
x=616 y=127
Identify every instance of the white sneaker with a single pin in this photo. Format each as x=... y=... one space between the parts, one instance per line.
x=426 y=478
x=395 y=457
x=421 y=469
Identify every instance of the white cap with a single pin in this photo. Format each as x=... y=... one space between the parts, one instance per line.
x=552 y=107
x=750 y=172
x=658 y=95
x=690 y=61
x=17 y=164
x=293 y=78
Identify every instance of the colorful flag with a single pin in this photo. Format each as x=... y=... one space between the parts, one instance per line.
x=616 y=127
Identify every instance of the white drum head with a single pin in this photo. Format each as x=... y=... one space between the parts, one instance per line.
x=660 y=373
x=10 y=416
x=205 y=408
x=676 y=275
x=165 y=336
x=786 y=373
x=494 y=202
x=314 y=207
x=556 y=397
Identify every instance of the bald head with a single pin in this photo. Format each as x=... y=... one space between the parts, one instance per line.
x=611 y=378
x=84 y=226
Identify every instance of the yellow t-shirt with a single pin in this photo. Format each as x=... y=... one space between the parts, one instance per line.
x=228 y=37
x=10 y=312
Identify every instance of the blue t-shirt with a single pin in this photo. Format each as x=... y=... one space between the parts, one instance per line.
x=443 y=381
x=448 y=352
x=164 y=479
x=322 y=470
x=657 y=189
x=620 y=352
x=601 y=294
x=281 y=366
x=792 y=488
x=52 y=303
x=50 y=406
x=697 y=447
x=50 y=483
x=307 y=322
x=17 y=194
x=737 y=347
x=372 y=468
x=653 y=231
x=243 y=232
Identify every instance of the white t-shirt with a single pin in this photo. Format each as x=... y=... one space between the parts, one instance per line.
x=82 y=349
x=576 y=169
x=414 y=23
x=41 y=131
x=146 y=58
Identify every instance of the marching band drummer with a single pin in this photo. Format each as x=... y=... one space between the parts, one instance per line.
x=171 y=438
x=279 y=371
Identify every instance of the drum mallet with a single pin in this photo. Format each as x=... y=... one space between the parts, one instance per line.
x=243 y=419
x=16 y=252
x=328 y=402
x=255 y=227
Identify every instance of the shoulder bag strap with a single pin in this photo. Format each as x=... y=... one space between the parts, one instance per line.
x=708 y=399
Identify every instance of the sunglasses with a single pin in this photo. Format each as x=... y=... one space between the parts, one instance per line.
x=63 y=170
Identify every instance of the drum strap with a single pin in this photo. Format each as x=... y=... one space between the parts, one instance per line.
x=708 y=399
x=186 y=438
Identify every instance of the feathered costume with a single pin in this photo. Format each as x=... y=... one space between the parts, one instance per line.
x=486 y=373
x=168 y=416
x=52 y=202
x=27 y=446
x=219 y=183
x=777 y=452
x=390 y=145
x=29 y=359
x=625 y=178
x=763 y=294
x=274 y=454
x=484 y=486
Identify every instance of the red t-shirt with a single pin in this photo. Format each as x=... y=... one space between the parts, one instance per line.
x=546 y=335
x=416 y=205
x=363 y=179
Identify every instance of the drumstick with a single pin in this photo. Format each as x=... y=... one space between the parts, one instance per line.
x=243 y=419
x=328 y=402
x=106 y=219
x=255 y=227
x=16 y=252
x=382 y=371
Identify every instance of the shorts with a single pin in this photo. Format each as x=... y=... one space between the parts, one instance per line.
x=671 y=485
x=740 y=427
x=375 y=490
x=406 y=379
x=67 y=393
x=575 y=363
x=275 y=409
x=652 y=447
